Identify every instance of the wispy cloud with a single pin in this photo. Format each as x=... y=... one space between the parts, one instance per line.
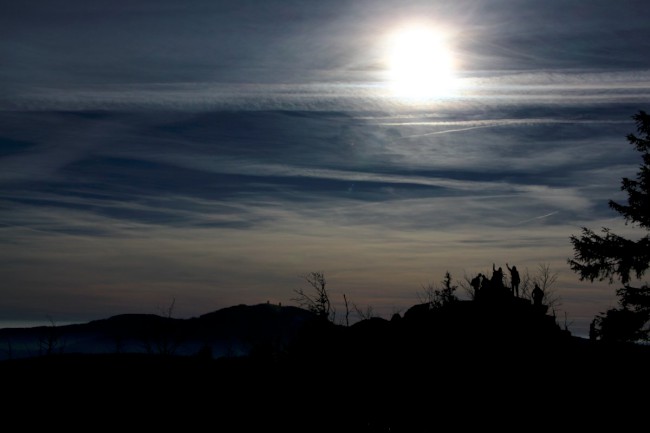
x=362 y=93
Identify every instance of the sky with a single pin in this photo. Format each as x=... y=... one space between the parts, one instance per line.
x=212 y=153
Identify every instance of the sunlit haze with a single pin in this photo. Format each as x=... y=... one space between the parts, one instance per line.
x=420 y=64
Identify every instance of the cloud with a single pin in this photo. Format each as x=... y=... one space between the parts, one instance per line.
x=360 y=93
x=169 y=169
x=73 y=54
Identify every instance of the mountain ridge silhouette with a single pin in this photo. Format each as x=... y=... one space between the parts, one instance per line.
x=245 y=326
x=304 y=373
x=237 y=325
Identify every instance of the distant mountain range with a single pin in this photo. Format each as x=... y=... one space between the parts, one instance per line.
x=232 y=331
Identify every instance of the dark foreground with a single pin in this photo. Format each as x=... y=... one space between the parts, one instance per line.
x=333 y=395
x=406 y=376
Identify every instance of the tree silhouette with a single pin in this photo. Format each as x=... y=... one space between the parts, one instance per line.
x=438 y=297
x=50 y=341
x=546 y=279
x=163 y=336
x=612 y=257
x=317 y=302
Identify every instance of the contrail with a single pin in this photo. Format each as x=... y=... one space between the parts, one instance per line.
x=537 y=217
x=446 y=131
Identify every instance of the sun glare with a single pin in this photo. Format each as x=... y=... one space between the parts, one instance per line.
x=420 y=66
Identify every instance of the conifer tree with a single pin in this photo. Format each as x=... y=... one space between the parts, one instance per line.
x=611 y=257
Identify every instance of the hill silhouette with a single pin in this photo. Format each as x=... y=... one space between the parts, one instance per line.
x=298 y=372
x=231 y=331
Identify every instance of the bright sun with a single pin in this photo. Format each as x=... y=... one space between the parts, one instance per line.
x=420 y=66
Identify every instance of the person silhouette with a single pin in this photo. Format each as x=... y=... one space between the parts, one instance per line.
x=485 y=287
x=538 y=295
x=497 y=277
x=514 y=279
x=592 y=330
x=476 y=285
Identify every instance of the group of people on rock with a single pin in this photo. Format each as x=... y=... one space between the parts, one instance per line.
x=494 y=287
